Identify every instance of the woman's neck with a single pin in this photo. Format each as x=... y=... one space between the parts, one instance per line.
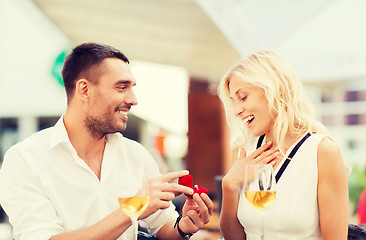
x=289 y=140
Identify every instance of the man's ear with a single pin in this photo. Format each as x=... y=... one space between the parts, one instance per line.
x=82 y=89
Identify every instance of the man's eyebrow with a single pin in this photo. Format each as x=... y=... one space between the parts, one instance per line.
x=124 y=82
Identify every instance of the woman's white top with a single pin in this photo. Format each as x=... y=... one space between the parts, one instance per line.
x=294 y=213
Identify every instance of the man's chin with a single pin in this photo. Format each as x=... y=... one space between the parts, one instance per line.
x=122 y=128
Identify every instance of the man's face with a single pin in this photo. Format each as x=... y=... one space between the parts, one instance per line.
x=110 y=99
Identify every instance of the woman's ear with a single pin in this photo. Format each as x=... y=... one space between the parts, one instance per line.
x=82 y=90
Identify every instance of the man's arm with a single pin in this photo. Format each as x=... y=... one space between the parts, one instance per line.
x=33 y=215
x=109 y=228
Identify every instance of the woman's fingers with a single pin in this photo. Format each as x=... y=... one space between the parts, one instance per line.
x=260 y=150
x=268 y=156
x=263 y=155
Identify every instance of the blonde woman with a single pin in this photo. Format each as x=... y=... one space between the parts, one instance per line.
x=269 y=115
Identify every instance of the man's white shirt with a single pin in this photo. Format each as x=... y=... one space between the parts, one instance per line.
x=46 y=188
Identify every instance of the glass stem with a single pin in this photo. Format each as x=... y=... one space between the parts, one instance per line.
x=262 y=226
x=135 y=226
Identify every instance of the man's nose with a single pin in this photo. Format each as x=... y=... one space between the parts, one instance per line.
x=131 y=98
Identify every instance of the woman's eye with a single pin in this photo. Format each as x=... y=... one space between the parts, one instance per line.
x=243 y=98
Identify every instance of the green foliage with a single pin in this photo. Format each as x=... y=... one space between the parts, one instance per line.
x=356 y=183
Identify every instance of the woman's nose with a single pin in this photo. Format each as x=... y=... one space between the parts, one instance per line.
x=238 y=109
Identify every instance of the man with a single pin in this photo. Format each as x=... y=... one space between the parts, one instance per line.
x=63 y=182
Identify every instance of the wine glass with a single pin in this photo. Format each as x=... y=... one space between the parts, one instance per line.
x=134 y=206
x=260 y=188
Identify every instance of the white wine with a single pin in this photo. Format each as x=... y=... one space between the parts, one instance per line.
x=134 y=206
x=260 y=200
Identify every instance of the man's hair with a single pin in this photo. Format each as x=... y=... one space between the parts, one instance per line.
x=85 y=61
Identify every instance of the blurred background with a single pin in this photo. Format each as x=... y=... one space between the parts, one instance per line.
x=179 y=49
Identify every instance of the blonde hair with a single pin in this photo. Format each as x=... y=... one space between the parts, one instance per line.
x=291 y=110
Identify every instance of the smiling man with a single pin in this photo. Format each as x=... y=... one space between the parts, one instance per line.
x=63 y=182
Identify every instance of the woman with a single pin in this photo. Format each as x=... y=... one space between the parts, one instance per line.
x=263 y=96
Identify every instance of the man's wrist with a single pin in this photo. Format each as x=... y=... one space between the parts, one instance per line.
x=182 y=234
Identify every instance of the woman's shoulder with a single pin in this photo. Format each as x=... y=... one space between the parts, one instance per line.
x=323 y=143
x=328 y=147
x=329 y=156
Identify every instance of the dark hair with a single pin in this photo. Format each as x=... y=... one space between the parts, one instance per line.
x=84 y=62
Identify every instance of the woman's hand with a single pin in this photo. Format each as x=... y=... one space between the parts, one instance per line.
x=263 y=155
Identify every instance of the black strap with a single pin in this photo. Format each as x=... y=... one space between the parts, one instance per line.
x=290 y=156
x=182 y=234
x=260 y=140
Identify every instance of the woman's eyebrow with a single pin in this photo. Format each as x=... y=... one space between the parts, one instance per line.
x=240 y=91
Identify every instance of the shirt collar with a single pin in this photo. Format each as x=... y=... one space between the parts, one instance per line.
x=59 y=134
x=113 y=137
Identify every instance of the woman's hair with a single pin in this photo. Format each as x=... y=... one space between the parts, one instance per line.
x=290 y=108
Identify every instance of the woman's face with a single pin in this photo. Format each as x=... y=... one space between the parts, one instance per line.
x=251 y=106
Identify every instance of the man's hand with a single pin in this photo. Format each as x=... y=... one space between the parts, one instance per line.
x=196 y=213
x=162 y=192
